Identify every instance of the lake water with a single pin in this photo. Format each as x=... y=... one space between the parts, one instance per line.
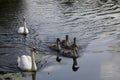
x=94 y=23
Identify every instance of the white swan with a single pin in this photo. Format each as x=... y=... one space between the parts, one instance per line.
x=23 y=29
x=27 y=63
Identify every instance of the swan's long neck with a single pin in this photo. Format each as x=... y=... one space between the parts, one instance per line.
x=33 y=62
x=67 y=41
x=66 y=37
x=74 y=43
x=25 y=26
x=58 y=45
x=74 y=52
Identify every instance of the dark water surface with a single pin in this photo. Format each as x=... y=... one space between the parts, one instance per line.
x=94 y=23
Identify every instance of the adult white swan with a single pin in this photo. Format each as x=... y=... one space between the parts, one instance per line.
x=23 y=29
x=27 y=63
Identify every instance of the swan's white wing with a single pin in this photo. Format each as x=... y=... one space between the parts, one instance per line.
x=21 y=30
x=25 y=62
x=29 y=61
x=29 y=58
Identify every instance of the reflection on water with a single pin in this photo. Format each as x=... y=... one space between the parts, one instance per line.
x=58 y=59
x=18 y=76
x=34 y=76
x=75 y=66
x=9 y=13
x=84 y=19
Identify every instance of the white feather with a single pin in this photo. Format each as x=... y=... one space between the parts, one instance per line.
x=21 y=30
x=25 y=63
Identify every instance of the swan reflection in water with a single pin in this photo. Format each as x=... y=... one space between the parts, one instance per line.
x=34 y=76
x=58 y=59
x=31 y=74
x=75 y=66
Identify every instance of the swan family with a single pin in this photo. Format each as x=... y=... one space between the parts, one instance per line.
x=70 y=49
x=27 y=63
